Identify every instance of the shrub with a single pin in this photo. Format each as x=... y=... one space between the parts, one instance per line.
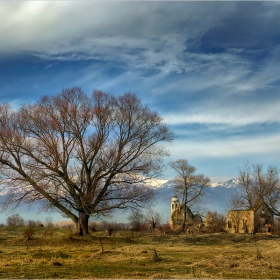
x=92 y=227
x=215 y=222
x=70 y=233
x=136 y=220
x=39 y=223
x=28 y=233
x=48 y=231
x=49 y=222
x=15 y=221
x=165 y=228
x=31 y=223
x=109 y=230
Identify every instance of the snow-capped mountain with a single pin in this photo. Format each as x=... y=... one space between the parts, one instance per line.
x=214 y=199
x=156 y=183
x=232 y=183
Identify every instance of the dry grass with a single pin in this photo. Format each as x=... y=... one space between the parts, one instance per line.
x=134 y=255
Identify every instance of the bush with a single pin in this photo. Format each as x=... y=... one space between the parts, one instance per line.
x=165 y=228
x=49 y=222
x=15 y=221
x=137 y=221
x=110 y=230
x=31 y=223
x=28 y=233
x=70 y=233
x=48 y=231
x=215 y=222
x=92 y=227
x=39 y=223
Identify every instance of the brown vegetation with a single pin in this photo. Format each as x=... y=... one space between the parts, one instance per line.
x=128 y=254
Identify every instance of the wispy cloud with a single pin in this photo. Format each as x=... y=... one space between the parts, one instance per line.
x=265 y=145
x=241 y=115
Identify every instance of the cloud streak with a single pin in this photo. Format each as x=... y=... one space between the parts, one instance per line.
x=231 y=148
x=242 y=115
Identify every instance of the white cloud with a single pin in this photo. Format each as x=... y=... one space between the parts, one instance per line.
x=55 y=27
x=224 y=114
x=233 y=147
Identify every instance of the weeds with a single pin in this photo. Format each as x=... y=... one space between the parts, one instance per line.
x=69 y=232
x=101 y=244
x=155 y=257
x=109 y=230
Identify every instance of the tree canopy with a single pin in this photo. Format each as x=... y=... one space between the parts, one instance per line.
x=82 y=154
x=258 y=185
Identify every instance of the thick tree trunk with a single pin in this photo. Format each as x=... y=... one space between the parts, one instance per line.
x=82 y=227
x=183 y=226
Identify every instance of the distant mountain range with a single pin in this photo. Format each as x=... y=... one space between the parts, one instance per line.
x=214 y=199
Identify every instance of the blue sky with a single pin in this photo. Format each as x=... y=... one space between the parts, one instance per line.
x=211 y=69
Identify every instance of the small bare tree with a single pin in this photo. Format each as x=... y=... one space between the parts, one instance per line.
x=259 y=185
x=136 y=220
x=15 y=221
x=188 y=185
x=246 y=178
x=153 y=219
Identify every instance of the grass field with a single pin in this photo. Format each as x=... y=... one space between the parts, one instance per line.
x=137 y=255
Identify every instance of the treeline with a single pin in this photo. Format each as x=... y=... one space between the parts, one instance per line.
x=137 y=221
x=16 y=220
x=213 y=222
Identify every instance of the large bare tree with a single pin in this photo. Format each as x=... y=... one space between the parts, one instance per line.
x=188 y=184
x=84 y=155
x=258 y=185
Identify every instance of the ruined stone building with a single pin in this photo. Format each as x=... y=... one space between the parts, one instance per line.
x=177 y=215
x=258 y=219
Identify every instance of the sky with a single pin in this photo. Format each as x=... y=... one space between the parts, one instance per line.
x=210 y=69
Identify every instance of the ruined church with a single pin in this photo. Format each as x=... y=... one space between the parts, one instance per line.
x=260 y=219
x=177 y=215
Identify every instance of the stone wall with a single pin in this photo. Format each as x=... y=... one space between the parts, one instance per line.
x=240 y=221
x=177 y=217
x=264 y=219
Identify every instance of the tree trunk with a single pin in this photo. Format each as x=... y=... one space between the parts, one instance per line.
x=183 y=227
x=82 y=227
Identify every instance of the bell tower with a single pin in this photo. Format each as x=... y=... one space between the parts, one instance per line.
x=173 y=217
x=174 y=203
